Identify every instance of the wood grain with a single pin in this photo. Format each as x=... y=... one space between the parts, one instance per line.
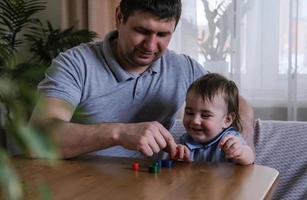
x=94 y=177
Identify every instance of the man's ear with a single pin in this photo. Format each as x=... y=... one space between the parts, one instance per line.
x=230 y=117
x=118 y=17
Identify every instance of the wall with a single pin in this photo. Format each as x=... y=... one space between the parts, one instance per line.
x=278 y=113
x=52 y=13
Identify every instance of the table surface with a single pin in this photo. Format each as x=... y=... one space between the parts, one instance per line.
x=96 y=177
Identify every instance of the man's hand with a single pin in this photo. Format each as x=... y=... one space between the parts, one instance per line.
x=146 y=137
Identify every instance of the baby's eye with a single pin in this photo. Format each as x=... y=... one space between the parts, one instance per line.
x=205 y=116
x=189 y=113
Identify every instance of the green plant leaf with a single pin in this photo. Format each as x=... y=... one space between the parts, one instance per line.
x=47 y=42
x=15 y=15
x=39 y=143
x=18 y=80
x=8 y=178
x=44 y=191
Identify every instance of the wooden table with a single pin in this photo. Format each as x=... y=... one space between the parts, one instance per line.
x=95 y=177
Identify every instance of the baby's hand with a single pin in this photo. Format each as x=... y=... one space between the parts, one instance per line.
x=232 y=147
x=183 y=153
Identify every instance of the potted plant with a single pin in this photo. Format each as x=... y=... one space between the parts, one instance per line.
x=18 y=80
x=215 y=41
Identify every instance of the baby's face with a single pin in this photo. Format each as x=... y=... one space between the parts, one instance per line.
x=204 y=120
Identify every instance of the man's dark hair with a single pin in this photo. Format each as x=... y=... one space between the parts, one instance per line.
x=163 y=9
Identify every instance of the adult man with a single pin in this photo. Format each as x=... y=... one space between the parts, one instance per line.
x=124 y=91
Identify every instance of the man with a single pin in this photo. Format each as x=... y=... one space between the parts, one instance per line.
x=123 y=92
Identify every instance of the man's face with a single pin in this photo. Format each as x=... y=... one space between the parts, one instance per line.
x=142 y=39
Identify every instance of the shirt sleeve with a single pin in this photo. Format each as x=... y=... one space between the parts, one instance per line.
x=63 y=79
x=238 y=135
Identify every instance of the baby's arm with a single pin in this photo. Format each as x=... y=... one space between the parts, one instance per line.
x=183 y=153
x=235 y=150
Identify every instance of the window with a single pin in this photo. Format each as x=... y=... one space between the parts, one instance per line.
x=260 y=44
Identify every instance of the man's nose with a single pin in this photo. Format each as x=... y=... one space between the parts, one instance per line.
x=150 y=42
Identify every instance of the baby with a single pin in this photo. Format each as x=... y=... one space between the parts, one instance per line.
x=212 y=121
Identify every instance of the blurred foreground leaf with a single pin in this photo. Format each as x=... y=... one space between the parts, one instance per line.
x=17 y=98
x=9 y=180
x=18 y=80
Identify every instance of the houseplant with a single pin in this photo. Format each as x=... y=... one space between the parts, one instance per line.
x=19 y=28
x=215 y=43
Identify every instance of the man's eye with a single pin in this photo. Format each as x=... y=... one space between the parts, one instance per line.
x=141 y=31
x=162 y=34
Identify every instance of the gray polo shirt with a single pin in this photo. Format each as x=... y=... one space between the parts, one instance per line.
x=89 y=78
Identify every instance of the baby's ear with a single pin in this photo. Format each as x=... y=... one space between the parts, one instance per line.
x=230 y=117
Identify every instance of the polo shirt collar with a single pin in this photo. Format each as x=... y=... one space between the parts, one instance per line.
x=118 y=71
x=192 y=145
x=155 y=66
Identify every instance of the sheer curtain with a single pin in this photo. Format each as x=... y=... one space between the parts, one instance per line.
x=95 y=15
x=260 y=44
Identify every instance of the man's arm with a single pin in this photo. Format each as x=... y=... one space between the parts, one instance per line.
x=76 y=139
x=247 y=120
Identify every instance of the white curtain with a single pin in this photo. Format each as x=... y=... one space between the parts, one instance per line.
x=260 y=44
